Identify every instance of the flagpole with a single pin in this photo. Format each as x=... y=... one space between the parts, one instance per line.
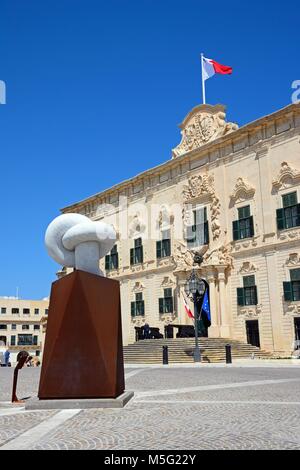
x=203 y=81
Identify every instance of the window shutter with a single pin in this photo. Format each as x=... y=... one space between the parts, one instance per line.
x=206 y=233
x=240 y=296
x=161 y=305
x=298 y=215
x=131 y=255
x=251 y=226
x=142 y=307
x=116 y=261
x=167 y=246
x=132 y=309
x=280 y=219
x=142 y=254
x=255 y=294
x=190 y=233
x=287 y=291
x=236 y=230
x=158 y=249
x=107 y=262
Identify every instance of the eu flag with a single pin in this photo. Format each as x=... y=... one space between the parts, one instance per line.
x=206 y=310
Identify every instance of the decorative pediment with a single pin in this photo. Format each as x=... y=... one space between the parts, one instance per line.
x=288 y=176
x=165 y=217
x=136 y=226
x=202 y=125
x=138 y=287
x=167 y=283
x=247 y=268
x=293 y=260
x=242 y=191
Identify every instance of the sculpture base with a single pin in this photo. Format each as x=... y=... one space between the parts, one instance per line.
x=83 y=355
x=81 y=404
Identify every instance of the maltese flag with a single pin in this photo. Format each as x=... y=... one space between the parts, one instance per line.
x=187 y=309
x=210 y=67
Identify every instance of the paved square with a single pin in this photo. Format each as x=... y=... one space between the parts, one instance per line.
x=174 y=408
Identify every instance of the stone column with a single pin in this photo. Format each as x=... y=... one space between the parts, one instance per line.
x=214 y=329
x=224 y=313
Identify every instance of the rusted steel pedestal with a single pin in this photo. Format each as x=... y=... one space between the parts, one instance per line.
x=83 y=355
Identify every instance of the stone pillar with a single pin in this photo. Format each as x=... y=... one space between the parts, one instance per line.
x=224 y=313
x=214 y=329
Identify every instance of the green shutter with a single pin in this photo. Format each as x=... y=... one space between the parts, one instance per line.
x=142 y=254
x=288 y=291
x=107 y=262
x=132 y=304
x=158 y=249
x=280 y=219
x=143 y=307
x=161 y=305
x=206 y=233
x=131 y=255
x=255 y=294
x=167 y=247
x=190 y=233
x=236 y=229
x=298 y=215
x=240 y=296
x=116 y=261
x=251 y=226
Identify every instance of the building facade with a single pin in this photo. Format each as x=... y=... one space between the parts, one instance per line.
x=21 y=325
x=231 y=194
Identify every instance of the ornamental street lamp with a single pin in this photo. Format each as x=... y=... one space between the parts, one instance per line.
x=193 y=288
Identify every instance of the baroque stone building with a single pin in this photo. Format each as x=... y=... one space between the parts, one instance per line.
x=231 y=194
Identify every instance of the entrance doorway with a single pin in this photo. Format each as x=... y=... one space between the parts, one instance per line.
x=297 y=332
x=252 y=330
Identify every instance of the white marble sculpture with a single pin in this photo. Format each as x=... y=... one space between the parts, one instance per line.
x=75 y=241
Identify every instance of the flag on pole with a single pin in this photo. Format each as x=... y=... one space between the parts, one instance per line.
x=206 y=317
x=187 y=308
x=210 y=67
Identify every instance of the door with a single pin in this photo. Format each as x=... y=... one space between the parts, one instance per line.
x=297 y=332
x=252 y=330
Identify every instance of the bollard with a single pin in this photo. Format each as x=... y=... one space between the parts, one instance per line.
x=228 y=353
x=165 y=355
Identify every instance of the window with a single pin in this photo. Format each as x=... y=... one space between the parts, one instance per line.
x=46 y=311
x=37 y=353
x=138 y=307
x=197 y=234
x=36 y=327
x=136 y=253
x=247 y=295
x=15 y=310
x=24 y=340
x=13 y=326
x=292 y=289
x=3 y=327
x=12 y=340
x=36 y=311
x=26 y=311
x=25 y=327
x=3 y=310
x=112 y=260
x=289 y=215
x=35 y=340
x=166 y=302
x=243 y=227
x=163 y=246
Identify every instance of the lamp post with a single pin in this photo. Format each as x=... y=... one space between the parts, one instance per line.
x=193 y=287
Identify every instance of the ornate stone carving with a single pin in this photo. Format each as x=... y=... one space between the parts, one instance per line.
x=288 y=176
x=167 y=318
x=138 y=287
x=247 y=268
x=183 y=258
x=241 y=191
x=138 y=320
x=250 y=312
x=202 y=125
x=219 y=256
x=165 y=217
x=203 y=185
x=136 y=226
x=290 y=235
x=167 y=283
x=291 y=308
x=293 y=260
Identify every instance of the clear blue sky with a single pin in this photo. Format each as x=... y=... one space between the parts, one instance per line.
x=96 y=89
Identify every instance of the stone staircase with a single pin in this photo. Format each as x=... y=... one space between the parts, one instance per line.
x=149 y=351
